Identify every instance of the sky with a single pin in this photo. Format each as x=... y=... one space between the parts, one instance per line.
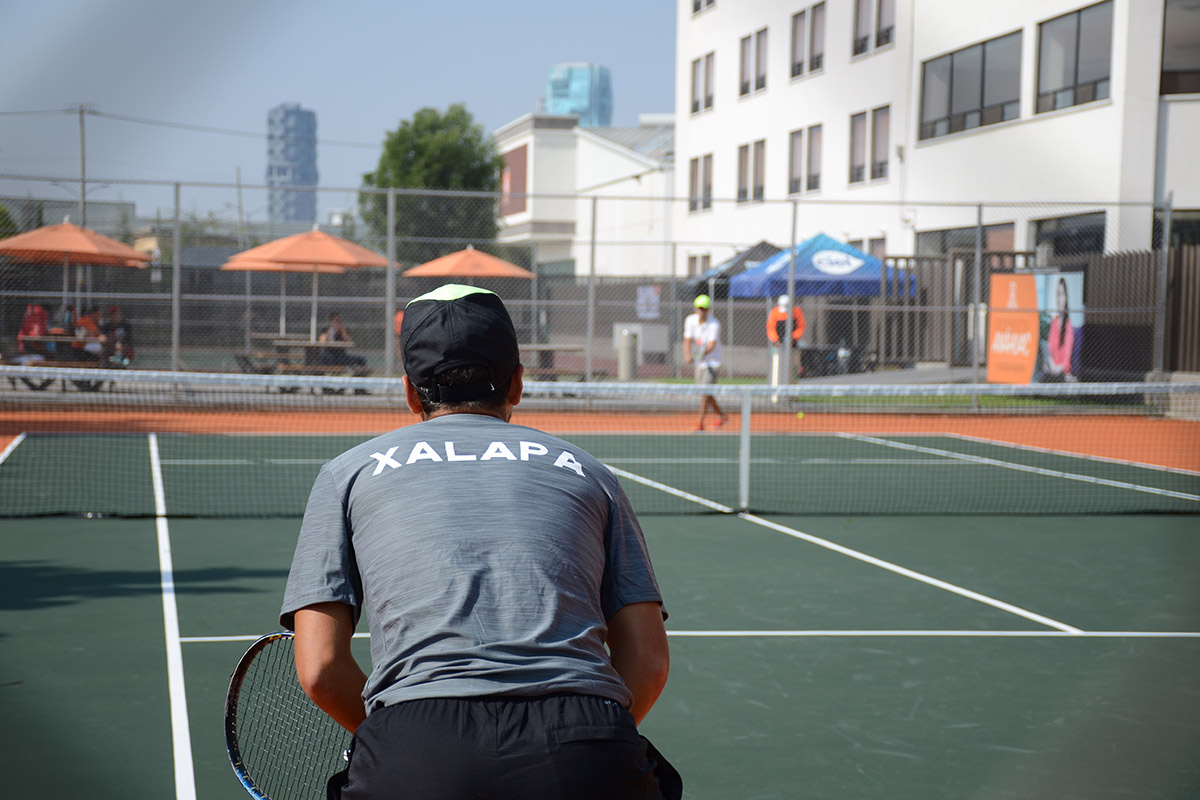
x=363 y=66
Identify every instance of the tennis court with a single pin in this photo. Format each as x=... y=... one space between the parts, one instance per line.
x=954 y=626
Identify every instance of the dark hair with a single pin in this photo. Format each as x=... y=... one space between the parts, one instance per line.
x=1066 y=312
x=465 y=376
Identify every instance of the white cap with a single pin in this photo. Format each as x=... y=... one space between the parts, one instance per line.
x=784 y=299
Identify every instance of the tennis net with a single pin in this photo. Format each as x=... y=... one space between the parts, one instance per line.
x=131 y=443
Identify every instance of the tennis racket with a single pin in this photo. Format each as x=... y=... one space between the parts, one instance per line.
x=281 y=745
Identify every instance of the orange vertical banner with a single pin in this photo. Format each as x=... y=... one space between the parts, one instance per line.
x=1012 y=329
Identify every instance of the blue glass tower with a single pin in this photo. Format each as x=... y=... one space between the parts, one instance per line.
x=584 y=90
x=291 y=161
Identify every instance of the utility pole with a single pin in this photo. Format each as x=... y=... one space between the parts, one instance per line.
x=82 y=170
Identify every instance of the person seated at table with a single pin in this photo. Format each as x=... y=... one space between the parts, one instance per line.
x=88 y=326
x=119 y=347
x=337 y=356
x=35 y=323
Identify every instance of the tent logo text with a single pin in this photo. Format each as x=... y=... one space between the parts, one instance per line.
x=835 y=262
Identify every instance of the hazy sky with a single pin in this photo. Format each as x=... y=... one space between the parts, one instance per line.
x=363 y=66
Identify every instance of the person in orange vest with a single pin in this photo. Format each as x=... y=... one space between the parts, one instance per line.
x=777 y=326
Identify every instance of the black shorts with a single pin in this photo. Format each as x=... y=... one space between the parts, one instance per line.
x=560 y=747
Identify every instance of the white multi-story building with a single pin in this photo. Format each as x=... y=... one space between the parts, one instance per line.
x=566 y=188
x=888 y=122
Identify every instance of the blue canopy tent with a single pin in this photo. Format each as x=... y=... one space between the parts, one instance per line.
x=824 y=266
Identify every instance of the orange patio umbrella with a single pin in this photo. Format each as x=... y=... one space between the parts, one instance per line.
x=314 y=252
x=69 y=244
x=469 y=263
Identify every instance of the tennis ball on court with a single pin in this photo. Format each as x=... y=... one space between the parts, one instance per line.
x=799 y=415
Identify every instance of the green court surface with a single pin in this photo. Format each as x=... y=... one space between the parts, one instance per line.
x=982 y=656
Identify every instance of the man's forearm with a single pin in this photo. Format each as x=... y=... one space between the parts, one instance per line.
x=637 y=642
x=327 y=670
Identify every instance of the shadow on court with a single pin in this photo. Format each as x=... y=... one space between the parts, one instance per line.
x=34 y=585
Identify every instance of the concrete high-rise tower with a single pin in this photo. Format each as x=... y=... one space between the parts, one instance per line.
x=291 y=161
x=584 y=90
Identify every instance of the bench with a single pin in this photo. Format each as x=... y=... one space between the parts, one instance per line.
x=83 y=385
x=550 y=373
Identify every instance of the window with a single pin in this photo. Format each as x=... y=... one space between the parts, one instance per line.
x=754 y=63
x=760 y=169
x=816 y=45
x=744 y=77
x=877 y=17
x=700 y=5
x=858 y=147
x=700 y=183
x=760 y=60
x=798 y=44
x=743 y=174
x=702 y=83
x=1070 y=236
x=862 y=27
x=885 y=23
x=814 y=158
x=796 y=162
x=708 y=80
x=694 y=184
x=880 y=119
x=1181 y=48
x=978 y=85
x=698 y=265
x=877 y=247
x=1073 y=58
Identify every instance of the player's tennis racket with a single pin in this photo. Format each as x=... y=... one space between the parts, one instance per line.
x=281 y=745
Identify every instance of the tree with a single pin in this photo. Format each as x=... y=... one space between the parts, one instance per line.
x=435 y=151
x=7 y=226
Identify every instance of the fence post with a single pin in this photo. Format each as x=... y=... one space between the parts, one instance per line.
x=535 y=333
x=744 y=453
x=1160 y=316
x=591 y=297
x=976 y=297
x=389 y=290
x=785 y=346
x=176 y=280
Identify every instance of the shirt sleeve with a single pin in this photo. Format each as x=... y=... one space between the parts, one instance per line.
x=324 y=569
x=628 y=574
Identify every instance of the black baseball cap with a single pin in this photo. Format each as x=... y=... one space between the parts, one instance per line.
x=458 y=326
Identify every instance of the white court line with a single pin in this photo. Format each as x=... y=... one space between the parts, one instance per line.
x=671 y=490
x=238 y=462
x=1050 y=473
x=1068 y=454
x=185 y=781
x=908 y=573
x=11 y=446
x=821 y=461
x=846 y=551
x=839 y=634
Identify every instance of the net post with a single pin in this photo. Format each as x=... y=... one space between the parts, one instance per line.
x=744 y=453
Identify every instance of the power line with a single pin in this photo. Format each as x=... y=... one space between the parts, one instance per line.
x=186 y=126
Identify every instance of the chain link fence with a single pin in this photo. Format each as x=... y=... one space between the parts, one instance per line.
x=608 y=277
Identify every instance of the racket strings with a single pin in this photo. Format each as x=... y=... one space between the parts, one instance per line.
x=289 y=746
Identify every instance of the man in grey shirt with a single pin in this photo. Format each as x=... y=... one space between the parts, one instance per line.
x=516 y=625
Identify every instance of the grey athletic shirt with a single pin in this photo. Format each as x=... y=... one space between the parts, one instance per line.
x=487 y=557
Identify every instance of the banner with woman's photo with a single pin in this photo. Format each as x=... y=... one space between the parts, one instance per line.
x=1035 y=327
